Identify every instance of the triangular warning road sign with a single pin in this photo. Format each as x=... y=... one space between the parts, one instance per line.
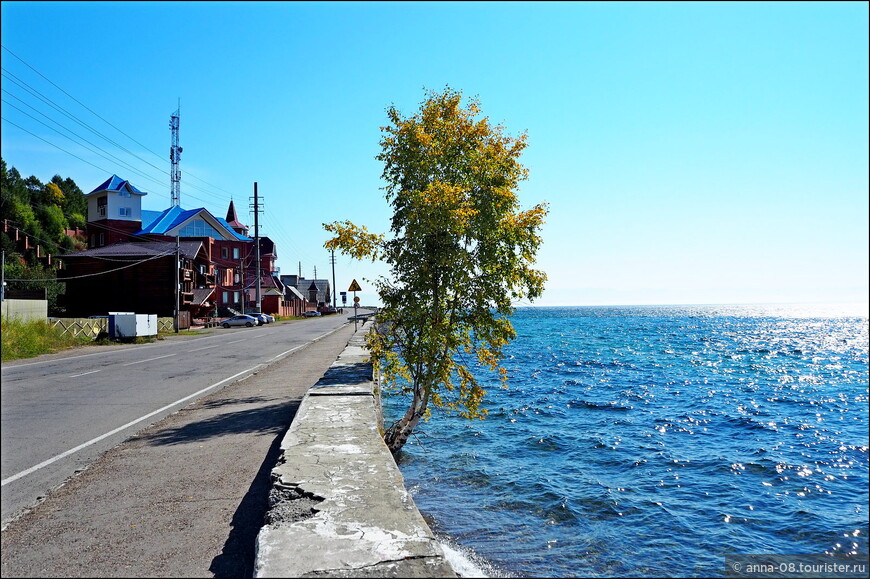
x=354 y=287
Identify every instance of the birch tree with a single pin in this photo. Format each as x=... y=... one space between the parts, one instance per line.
x=460 y=253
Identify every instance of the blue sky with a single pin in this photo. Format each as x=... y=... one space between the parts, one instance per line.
x=690 y=152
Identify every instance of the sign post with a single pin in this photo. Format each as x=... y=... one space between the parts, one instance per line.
x=354 y=287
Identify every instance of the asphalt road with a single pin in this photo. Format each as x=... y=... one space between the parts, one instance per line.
x=60 y=412
x=186 y=496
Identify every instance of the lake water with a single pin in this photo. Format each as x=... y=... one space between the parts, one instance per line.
x=654 y=441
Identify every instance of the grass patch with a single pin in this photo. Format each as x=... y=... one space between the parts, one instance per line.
x=163 y=334
x=32 y=338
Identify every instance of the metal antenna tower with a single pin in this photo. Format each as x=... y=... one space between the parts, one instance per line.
x=175 y=157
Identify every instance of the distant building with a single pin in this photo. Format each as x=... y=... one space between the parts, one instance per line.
x=317 y=292
x=219 y=278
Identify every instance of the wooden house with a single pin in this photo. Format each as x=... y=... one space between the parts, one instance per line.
x=218 y=271
x=135 y=277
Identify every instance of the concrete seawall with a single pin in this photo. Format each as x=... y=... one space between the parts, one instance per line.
x=338 y=504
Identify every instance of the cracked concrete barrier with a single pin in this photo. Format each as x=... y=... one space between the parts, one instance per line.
x=338 y=505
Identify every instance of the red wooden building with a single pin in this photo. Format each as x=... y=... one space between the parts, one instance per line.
x=218 y=269
x=136 y=277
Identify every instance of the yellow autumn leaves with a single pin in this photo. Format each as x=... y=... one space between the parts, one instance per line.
x=353 y=240
x=460 y=252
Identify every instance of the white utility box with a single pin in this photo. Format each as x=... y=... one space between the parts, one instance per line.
x=132 y=325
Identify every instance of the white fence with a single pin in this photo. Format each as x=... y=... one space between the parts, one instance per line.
x=25 y=310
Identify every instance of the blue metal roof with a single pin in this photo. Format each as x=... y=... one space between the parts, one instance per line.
x=160 y=222
x=238 y=235
x=115 y=183
x=148 y=217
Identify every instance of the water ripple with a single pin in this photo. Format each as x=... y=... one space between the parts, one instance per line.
x=653 y=441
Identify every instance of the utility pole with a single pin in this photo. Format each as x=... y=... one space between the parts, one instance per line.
x=177 y=281
x=242 y=280
x=332 y=259
x=3 y=278
x=257 y=243
x=175 y=193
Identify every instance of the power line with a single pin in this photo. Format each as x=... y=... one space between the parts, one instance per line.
x=280 y=234
x=76 y=100
x=101 y=152
x=64 y=112
x=107 y=122
x=18 y=227
x=62 y=251
x=153 y=257
x=53 y=145
x=49 y=102
x=144 y=175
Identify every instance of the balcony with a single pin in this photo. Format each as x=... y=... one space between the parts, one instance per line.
x=205 y=279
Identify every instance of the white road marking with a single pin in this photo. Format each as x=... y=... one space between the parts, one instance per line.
x=62 y=455
x=206 y=348
x=148 y=360
x=84 y=374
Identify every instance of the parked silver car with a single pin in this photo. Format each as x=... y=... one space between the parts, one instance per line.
x=264 y=318
x=241 y=320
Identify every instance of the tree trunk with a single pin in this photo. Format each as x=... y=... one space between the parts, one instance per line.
x=397 y=435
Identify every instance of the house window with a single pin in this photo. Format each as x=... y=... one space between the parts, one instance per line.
x=93 y=240
x=235 y=253
x=236 y=297
x=225 y=253
x=101 y=206
x=125 y=211
x=102 y=239
x=226 y=297
x=123 y=193
x=199 y=228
